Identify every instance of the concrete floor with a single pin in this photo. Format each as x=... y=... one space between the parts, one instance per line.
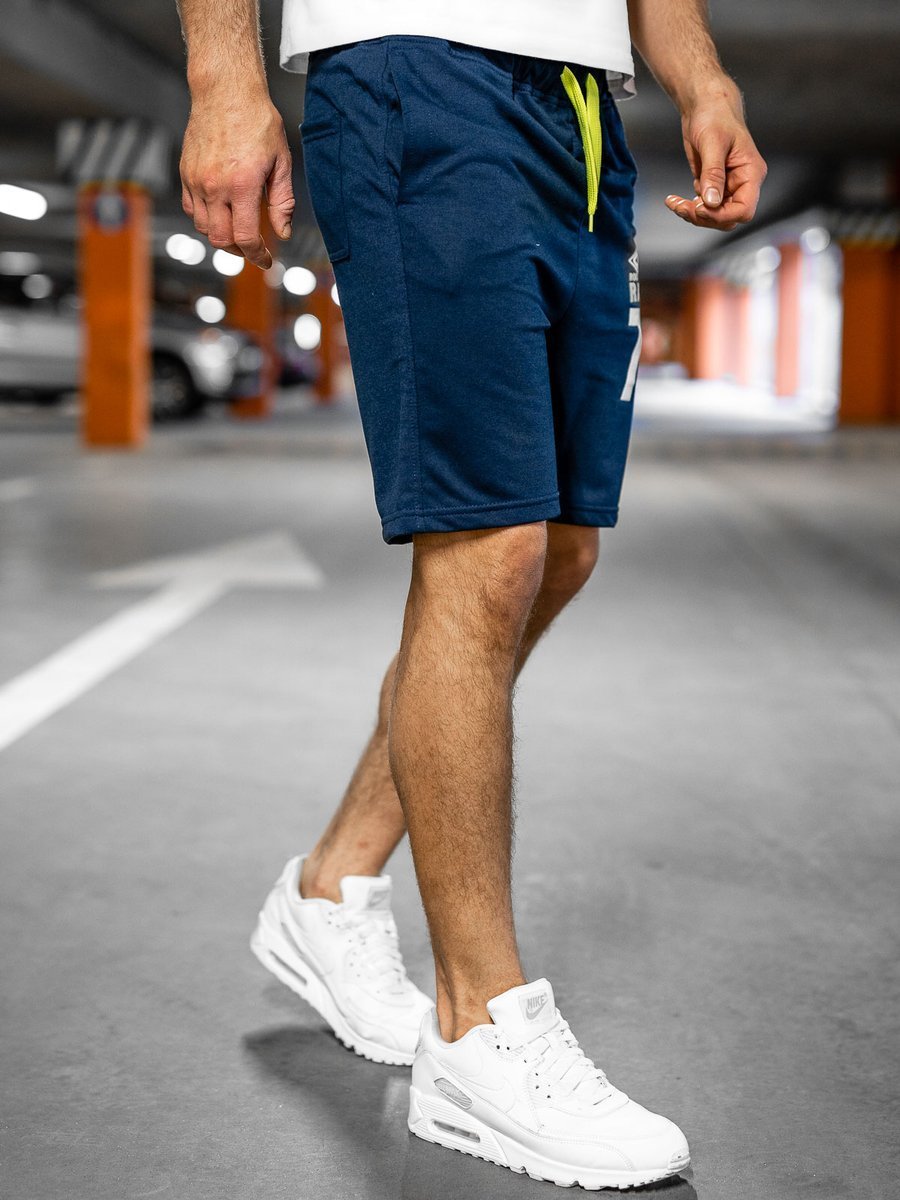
x=708 y=842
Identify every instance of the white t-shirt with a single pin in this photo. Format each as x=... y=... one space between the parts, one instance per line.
x=589 y=32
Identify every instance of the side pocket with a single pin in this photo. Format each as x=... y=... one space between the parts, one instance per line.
x=322 y=159
x=620 y=155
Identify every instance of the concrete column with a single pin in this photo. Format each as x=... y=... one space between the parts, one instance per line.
x=742 y=303
x=115 y=285
x=712 y=332
x=321 y=305
x=251 y=307
x=787 y=334
x=870 y=357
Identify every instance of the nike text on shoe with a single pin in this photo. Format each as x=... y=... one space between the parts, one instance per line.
x=521 y=1093
x=344 y=960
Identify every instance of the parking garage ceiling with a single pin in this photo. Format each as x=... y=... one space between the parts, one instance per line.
x=819 y=76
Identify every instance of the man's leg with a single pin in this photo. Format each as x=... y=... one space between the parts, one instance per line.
x=369 y=823
x=450 y=745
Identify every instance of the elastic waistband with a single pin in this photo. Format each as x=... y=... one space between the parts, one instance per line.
x=538 y=74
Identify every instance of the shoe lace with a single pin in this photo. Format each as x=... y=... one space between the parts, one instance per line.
x=377 y=949
x=563 y=1068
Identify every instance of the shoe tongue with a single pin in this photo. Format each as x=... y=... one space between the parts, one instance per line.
x=528 y=1009
x=366 y=893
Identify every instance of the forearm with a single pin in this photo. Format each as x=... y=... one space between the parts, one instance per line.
x=224 y=53
x=235 y=152
x=674 y=40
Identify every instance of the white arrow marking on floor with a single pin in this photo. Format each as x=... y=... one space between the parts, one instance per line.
x=187 y=584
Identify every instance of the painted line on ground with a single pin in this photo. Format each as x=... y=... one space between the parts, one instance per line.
x=190 y=583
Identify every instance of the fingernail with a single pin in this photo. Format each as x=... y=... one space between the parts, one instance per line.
x=669 y=198
x=712 y=197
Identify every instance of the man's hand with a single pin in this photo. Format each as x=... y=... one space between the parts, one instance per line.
x=674 y=38
x=235 y=151
x=728 y=169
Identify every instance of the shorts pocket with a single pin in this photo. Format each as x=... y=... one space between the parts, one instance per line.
x=322 y=163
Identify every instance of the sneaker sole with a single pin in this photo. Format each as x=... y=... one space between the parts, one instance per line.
x=283 y=961
x=445 y=1124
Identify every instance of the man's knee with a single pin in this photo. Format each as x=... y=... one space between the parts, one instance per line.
x=514 y=570
x=572 y=555
x=487 y=576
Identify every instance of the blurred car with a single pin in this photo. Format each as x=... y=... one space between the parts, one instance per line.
x=192 y=363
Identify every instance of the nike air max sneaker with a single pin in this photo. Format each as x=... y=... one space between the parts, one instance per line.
x=521 y=1093
x=343 y=959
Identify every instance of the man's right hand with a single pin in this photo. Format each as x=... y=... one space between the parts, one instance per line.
x=234 y=152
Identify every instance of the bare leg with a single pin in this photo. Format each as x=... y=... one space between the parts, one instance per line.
x=369 y=823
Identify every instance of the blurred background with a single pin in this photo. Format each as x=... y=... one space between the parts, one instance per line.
x=195 y=608
x=781 y=318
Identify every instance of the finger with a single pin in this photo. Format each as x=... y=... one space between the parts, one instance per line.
x=200 y=215
x=280 y=195
x=694 y=213
x=220 y=229
x=740 y=205
x=713 y=149
x=187 y=202
x=245 y=224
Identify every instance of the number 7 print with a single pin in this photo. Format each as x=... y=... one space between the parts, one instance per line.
x=634 y=318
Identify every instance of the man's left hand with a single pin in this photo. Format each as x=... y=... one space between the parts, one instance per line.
x=728 y=169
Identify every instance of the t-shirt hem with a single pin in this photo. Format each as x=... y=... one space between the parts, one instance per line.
x=619 y=68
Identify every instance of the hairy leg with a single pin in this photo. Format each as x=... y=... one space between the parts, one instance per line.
x=450 y=747
x=369 y=823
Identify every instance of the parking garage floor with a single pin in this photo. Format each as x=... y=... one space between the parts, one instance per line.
x=707 y=857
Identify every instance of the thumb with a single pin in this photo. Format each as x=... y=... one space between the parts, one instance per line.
x=712 y=151
x=280 y=195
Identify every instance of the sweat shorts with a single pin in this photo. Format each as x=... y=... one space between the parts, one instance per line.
x=493 y=338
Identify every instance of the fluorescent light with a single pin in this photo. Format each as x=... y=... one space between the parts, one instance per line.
x=185 y=249
x=299 y=281
x=815 y=239
x=21 y=202
x=275 y=274
x=307 y=331
x=209 y=309
x=227 y=264
x=18 y=262
x=767 y=259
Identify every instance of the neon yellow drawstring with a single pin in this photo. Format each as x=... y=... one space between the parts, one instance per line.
x=588 y=114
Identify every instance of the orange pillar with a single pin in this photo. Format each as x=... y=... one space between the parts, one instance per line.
x=115 y=282
x=869 y=352
x=321 y=305
x=787 y=334
x=250 y=306
x=684 y=339
x=743 y=308
x=712 y=327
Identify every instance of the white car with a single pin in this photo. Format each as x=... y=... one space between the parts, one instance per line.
x=192 y=363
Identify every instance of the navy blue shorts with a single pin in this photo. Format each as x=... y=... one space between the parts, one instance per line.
x=493 y=339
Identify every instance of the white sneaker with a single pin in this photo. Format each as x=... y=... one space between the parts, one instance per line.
x=344 y=960
x=522 y=1093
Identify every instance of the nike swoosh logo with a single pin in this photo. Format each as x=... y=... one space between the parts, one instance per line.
x=501 y=1094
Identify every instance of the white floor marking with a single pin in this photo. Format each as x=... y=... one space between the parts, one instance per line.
x=17 y=489
x=187 y=584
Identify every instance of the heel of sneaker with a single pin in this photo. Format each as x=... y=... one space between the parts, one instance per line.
x=277 y=959
x=437 y=1120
